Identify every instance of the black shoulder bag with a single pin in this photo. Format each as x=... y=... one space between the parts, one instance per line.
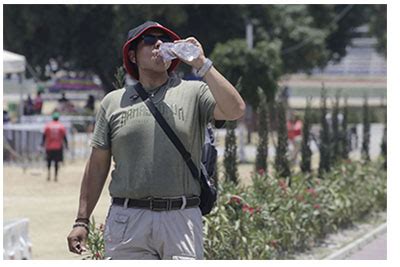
x=208 y=195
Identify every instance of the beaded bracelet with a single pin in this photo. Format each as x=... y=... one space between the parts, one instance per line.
x=81 y=225
x=84 y=220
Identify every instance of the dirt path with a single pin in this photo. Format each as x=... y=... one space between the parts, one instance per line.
x=51 y=207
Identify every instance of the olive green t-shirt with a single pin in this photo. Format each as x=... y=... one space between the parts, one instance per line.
x=147 y=164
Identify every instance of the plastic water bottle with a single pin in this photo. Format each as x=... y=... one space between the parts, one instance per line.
x=186 y=51
x=165 y=51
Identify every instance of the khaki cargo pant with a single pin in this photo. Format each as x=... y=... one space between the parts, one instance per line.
x=140 y=234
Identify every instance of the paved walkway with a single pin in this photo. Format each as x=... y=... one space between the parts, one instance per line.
x=375 y=250
x=371 y=246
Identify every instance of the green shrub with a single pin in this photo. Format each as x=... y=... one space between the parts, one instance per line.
x=270 y=220
x=262 y=147
x=230 y=154
x=95 y=242
x=355 y=114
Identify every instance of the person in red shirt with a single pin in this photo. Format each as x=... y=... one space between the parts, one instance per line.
x=294 y=130
x=54 y=136
x=38 y=103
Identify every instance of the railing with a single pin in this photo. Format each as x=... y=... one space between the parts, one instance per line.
x=22 y=144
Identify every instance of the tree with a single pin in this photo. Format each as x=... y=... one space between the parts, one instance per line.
x=288 y=38
x=119 y=78
x=336 y=152
x=344 y=133
x=342 y=20
x=262 y=148
x=306 y=153
x=325 y=139
x=378 y=27
x=258 y=67
x=384 y=146
x=366 y=131
x=282 y=167
x=230 y=155
x=77 y=37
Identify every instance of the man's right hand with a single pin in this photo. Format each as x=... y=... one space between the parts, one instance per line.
x=92 y=184
x=77 y=240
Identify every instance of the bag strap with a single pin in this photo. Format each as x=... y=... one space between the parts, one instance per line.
x=187 y=157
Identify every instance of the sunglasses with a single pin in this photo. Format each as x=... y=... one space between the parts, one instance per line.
x=149 y=39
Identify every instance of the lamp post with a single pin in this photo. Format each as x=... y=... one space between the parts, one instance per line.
x=248 y=116
x=249 y=34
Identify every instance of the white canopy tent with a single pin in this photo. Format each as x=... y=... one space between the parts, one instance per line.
x=13 y=63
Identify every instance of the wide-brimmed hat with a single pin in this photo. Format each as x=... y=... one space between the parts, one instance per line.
x=134 y=34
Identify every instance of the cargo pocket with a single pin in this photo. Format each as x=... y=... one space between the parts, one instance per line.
x=118 y=227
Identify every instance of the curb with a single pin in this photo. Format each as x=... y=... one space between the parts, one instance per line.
x=357 y=244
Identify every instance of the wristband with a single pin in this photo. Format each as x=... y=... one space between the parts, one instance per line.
x=84 y=220
x=205 y=68
x=81 y=225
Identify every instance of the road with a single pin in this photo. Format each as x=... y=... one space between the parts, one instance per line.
x=375 y=250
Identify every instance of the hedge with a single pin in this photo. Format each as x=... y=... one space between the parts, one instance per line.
x=270 y=220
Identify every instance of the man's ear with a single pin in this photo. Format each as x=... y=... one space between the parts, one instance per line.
x=132 y=56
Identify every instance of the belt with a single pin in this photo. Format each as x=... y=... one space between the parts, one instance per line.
x=158 y=204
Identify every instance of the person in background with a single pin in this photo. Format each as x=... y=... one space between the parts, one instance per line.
x=90 y=104
x=54 y=136
x=294 y=129
x=63 y=98
x=284 y=95
x=28 y=106
x=38 y=103
x=65 y=106
x=353 y=138
x=6 y=116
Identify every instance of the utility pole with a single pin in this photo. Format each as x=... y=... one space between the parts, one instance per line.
x=241 y=126
x=249 y=34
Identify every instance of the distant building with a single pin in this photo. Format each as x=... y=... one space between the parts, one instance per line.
x=361 y=59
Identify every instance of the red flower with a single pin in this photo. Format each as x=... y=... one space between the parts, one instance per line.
x=247 y=208
x=317 y=206
x=282 y=184
x=312 y=192
x=261 y=172
x=98 y=255
x=235 y=200
x=274 y=243
x=251 y=210
x=300 y=198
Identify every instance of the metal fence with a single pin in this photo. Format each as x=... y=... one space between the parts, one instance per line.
x=22 y=144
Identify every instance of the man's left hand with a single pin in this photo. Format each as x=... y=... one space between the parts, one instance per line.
x=198 y=62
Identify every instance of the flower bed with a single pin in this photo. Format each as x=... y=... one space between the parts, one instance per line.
x=272 y=220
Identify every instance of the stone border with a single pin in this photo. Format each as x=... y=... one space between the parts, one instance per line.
x=357 y=244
